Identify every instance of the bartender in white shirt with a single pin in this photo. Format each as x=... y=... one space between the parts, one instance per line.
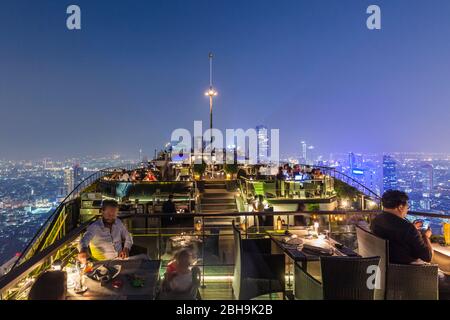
x=107 y=238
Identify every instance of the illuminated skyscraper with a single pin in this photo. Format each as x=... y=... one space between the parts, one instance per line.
x=355 y=161
x=263 y=149
x=389 y=173
x=69 y=182
x=304 y=148
x=426 y=177
x=78 y=174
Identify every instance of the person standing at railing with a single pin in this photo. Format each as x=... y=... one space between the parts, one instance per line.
x=258 y=207
x=168 y=207
x=296 y=170
x=279 y=181
x=280 y=174
x=107 y=238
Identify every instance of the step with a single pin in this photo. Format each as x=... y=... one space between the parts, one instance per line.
x=218 y=212
x=219 y=222
x=218 y=207
x=216 y=191
x=216 y=186
x=218 y=195
x=218 y=201
x=216 y=182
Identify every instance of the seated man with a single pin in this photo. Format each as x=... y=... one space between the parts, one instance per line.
x=408 y=244
x=107 y=237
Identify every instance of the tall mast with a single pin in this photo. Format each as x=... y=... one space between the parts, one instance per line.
x=211 y=93
x=211 y=56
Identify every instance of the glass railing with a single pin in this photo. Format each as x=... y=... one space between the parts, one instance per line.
x=326 y=186
x=209 y=236
x=289 y=189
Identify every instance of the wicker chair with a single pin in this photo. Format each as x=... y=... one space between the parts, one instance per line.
x=398 y=282
x=343 y=278
x=256 y=270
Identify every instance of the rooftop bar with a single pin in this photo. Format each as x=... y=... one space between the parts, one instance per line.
x=306 y=232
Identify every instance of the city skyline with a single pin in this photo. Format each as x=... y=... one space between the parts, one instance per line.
x=124 y=80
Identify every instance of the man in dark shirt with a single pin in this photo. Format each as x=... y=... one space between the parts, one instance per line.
x=406 y=243
x=169 y=208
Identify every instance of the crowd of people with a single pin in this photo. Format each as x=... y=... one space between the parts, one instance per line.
x=152 y=172
x=299 y=172
x=134 y=176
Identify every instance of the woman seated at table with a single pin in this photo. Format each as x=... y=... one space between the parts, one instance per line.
x=180 y=280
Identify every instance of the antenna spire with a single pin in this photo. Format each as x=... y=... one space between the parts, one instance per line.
x=211 y=56
x=211 y=93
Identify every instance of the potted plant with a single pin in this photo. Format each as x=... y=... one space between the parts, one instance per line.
x=231 y=170
x=199 y=169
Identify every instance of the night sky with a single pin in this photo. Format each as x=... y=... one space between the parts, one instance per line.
x=138 y=69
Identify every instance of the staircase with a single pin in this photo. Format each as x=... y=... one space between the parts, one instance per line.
x=217 y=199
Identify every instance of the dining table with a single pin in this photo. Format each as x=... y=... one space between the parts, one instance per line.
x=307 y=251
x=191 y=241
x=146 y=270
x=441 y=257
x=307 y=255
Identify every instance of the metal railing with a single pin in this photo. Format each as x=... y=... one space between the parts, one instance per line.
x=332 y=172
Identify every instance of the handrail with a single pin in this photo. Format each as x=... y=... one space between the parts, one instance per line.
x=149 y=182
x=277 y=213
x=73 y=194
x=370 y=192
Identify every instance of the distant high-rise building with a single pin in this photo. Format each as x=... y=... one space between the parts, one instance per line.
x=263 y=149
x=355 y=161
x=69 y=183
x=304 y=153
x=312 y=155
x=389 y=173
x=427 y=177
x=78 y=174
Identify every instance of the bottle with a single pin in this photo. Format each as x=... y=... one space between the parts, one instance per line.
x=279 y=223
